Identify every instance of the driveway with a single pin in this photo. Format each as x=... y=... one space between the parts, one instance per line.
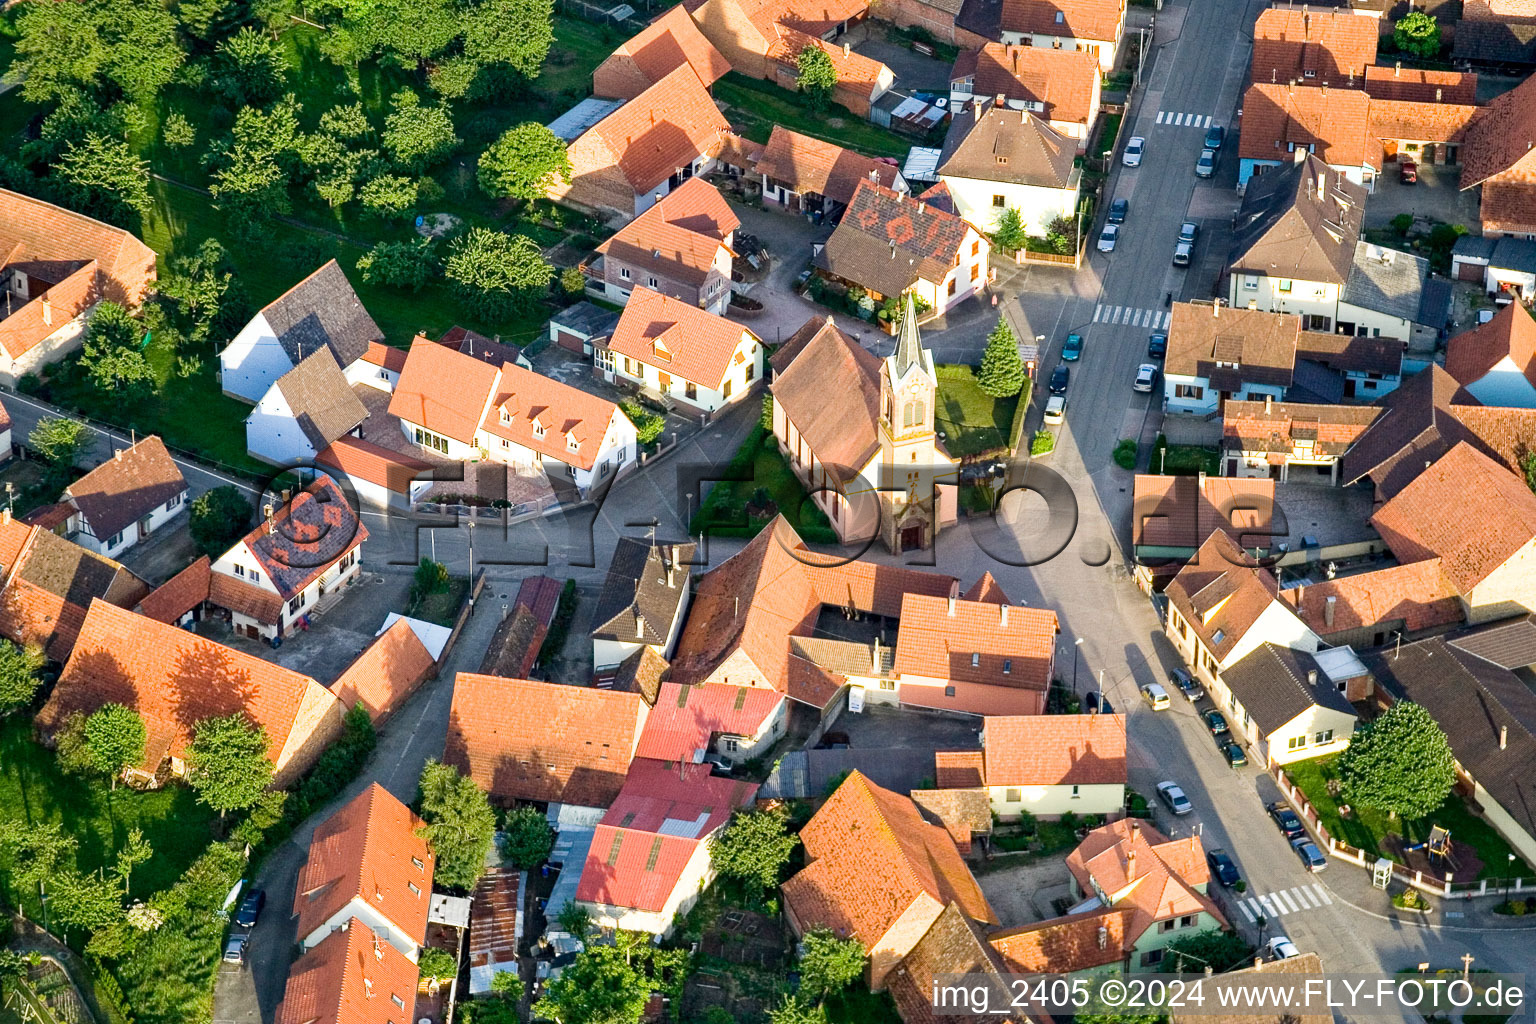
x=1436 y=197
x=1022 y=889
x=913 y=71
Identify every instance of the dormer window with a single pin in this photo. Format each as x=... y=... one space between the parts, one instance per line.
x=506 y=417
x=572 y=443
x=1309 y=73
x=1060 y=18
x=538 y=429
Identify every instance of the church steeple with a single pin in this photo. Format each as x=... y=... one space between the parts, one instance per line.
x=909 y=345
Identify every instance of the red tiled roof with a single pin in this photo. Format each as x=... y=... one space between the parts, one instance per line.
x=130 y=485
x=1332 y=47
x=1221 y=593
x=869 y=857
x=1509 y=335
x=685 y=718
x=1508 y=206
x=175 y=679
x=50 y=583
x=1415 y=524
x=815 y=18
x=1498 y=142
x=352 y=977
x=246 y=598
x=525 y=400
x=1417 y=593
x=987 y=589
x=1065 y=945
x=306 y=537
x=680 y=238
x=1082 y=19
x=1276 y=427
x=1400 y=83
x=1065 y=81
x=679 y=338
x=367 y=850
x=1145 y=871
x=373 y=463
x=443 y=390
x=856 y=73
x=50 y=516
x=1280 y=118
x=1055 y=750
x=660 y=48
x=975 y=642
x=959 y=769
x=662 y=129
x=927 y=240
x=386 y=673
x=811 y=165
x=526 y=740
x=1183 y=511
x=387 y=356
x=1420 y=120
x=179 y=594
x=953 y=945
x=843 y=435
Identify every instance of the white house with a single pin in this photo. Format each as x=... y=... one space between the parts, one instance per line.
x=1282 y=704
x=997 y=158
x=125 y=499
x=643 y=601
x=321 y=311
x=1496 y=362
x=1094 y=26
x=680 y=353
x=378 y=367
x=303 y=411
x=1050 y=765
x=1062 y=87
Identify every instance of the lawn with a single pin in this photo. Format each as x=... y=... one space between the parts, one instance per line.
x=760 y=466
x=33 y=789
x=1185 y=459
x=1367 y=829
x=972 y=422
x=442 y=608
x=753 y=107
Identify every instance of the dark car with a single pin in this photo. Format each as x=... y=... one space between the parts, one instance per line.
x=1290 y=825
x=1233 y=752
x=1188 y=232
x=1097 y=702
x=1408 y=172
x=1222 y=867
x=1118 y=209
x=1311 y=857
x=1060 y=378
x=1157 y=345
x=1215 y=721
x=1185 y=683
x=1215 y=135
x=1072 y=348
x=250 y=908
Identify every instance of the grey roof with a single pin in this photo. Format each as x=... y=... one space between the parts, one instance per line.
x=1386 y=280
x=586 y=318
x=1509 y=645
x=991 y=143
x=320 y=399
x=322 y=310
x=909 y=343
x=1284 y=229
x=1271 y=682
x=647 y=580
x=1514 y=254
x=1494 y=42
x=1435 y=303
x=805 y=774
x=1475 y=246
x=570 y=125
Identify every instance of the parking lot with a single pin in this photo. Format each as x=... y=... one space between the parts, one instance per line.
x=1437 y=196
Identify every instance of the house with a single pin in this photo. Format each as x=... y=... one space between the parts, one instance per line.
x=1268 y=438
x=649 y=857
x=1420 y=85
x=367 y=862
x=1050 y=765
x=961 y=807
x=49 y=583
x=303 y=412
x=1218 y=353
x=974 y=656
x=680 y=247
x=321 y=311
x=125 y=499
x=877 y=872
x=382 y=478
x=1282 y=121
x=467 y=409
x=856 y=457
x=55 y=266
x=175 y=679
x=351 y=977
x=806 y=175
x=1294 y=242
x=680 y=354
x=543 y=742
x=1475 y=684
x=1493 y=568
x=1391 y=294
x=1305 y=964
x=1130 y=864
x=378 y=367
x=689 y=723
x=1423 y=131
x=1174 y=515
x=1496 y=157
x=953 y=946
x=1372 y=608
x=890 y=244
x=763 y=38
x=1093 y=26
x=1501 y=45
x=179 y=600
x=1089 y=943
x=518 y=641
x=1313 y=47
x=1061 y=87
x=387 y=672
x=998 y=158
x=654 y=52
x=1284 y=706
x=1221 y=606
x=642 y=149
x=281 y=571
x=643 y=600
x=1496 y=362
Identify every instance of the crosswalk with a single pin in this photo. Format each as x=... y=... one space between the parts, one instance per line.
x=1130 y=316
x=1284 y=901
x=1181 y=119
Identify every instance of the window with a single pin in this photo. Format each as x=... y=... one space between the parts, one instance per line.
x=538 y=429
x=603 y=470
x=427 y=439
x=725 y=392
x=175 y=501
x=1075 y=793
x=1285 y=285
x=914 y=414
x=240 y=571
x=295 y=604
x=976 y=247
x=998 y=202
x=887 y=684
x=1189 y=391
x=397 y=1001
x=1166 y=926
x=651 y=282
x=975 y=660
x=690 y=389
x=116 y=539
x=1012 y=796
x=415 y=889
x=951 y=289
x=571 y=443
x=1151 y=957
x=624 y=273
x=1007 y=665
x=1326 y=736
x=620 y=455
x=255 y=576
x=1250 y=282
x=730 y=746
x=751 y=371
x=1187 y=921
x=417 y=864
x=949 y=691
x=1060 y=17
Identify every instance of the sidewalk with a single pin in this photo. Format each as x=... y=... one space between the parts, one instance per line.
x=1352 y=885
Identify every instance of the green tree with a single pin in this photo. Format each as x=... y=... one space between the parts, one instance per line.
x=227 y=762
x=460 y=824
x=388 y=196
x=103 y=177
x=1400 y=763
x=250 y=187
x=600 y=987
x=753 y=847
x=249 y=68
x=134 y=851
x=111 y=354
x=1417 y=33
x=59 y=441
x=177 y=131
x=1221 y=951
x=1528 y=468
x=69 y=745
x=794 y=1011
x=211 y=19
x=114 y=739
x=1002 y=371
x=829 y=964
x=85 y=901
x=574 y=919
x=1010 y=233
x=438 y=964
x=430 y=578
x=400 y=264
x=573 y=282
x=218 y=518
x=20 y=675
x=417 y=135
x=198 y=283
x=816 y=77
x=497 y=275
x=526 y=838
x=524 y=163
x=110 y=47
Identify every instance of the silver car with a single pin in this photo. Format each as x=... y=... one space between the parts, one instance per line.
x=1205 y=167
x=1108 y=237
x=1133 y=150
x=1146 y=378
x=1171 y=794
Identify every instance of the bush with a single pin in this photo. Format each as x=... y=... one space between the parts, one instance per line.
x=333 y=771
x=437 y=964
x=573 y=282
x=1044 y=443
x=1402 y=223
x=1125 y=453
x=648 y=425
x=565 y=611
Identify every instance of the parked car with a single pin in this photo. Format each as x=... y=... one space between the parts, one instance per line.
x=1311 y=857
x=1290 y=825
x=1056 y=409
x=234 y=949
x=1408 y=172
x=1133 y=150
x=1280 y=948
x=1233 y=752
x=1170 y=794
x=1072 y=348
x=1183 y=254
x=1096 y=701
x=1118 y=209
x=1156 y=696
x=1186 y=684
x=1215 y=135
x=1222 y=867
x=250 y=908
x=1215 y=721
x=1108 y=237
x=1157 y=345
x=1146 y=378
x=1188 y=232
x=1205 y=167
x=1060 y=378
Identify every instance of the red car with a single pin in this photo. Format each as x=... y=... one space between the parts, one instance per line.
x=1408 y=173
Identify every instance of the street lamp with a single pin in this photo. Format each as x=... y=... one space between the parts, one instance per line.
x=1076 y=646
x=1508 y=874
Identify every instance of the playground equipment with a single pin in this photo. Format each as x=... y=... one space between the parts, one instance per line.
x=1437 y=847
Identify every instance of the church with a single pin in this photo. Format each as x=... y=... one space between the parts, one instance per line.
x=858 y=432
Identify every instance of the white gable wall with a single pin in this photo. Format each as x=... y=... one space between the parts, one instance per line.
x=253 y=361
x=273 y=435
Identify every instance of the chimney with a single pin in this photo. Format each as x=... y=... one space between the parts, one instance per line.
x=1306 y=24
x=1322 y=186
x=1103 y=937
x=639 y=627
x=1397 y=72
x=874 y=661
x=47 y=311
x=1328 y=605
x=951 y=607
x=874 y=175
x=1004 y=617
x=267 y=511
x=1503 y=736
x=1268 y=403
x=1312 y=677
x=893 y=248
x=846 y=49
x=1438 y=91
x=658 y=197
x=1325 y=90
x=1301 y=593
x=1216 y=308
x=1000 y=100
x=1130 y=858
x=118 y=455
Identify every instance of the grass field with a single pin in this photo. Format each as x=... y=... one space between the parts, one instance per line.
x=759 y=462
x=1185 y=459
x=971 y=421
x=753 y=107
